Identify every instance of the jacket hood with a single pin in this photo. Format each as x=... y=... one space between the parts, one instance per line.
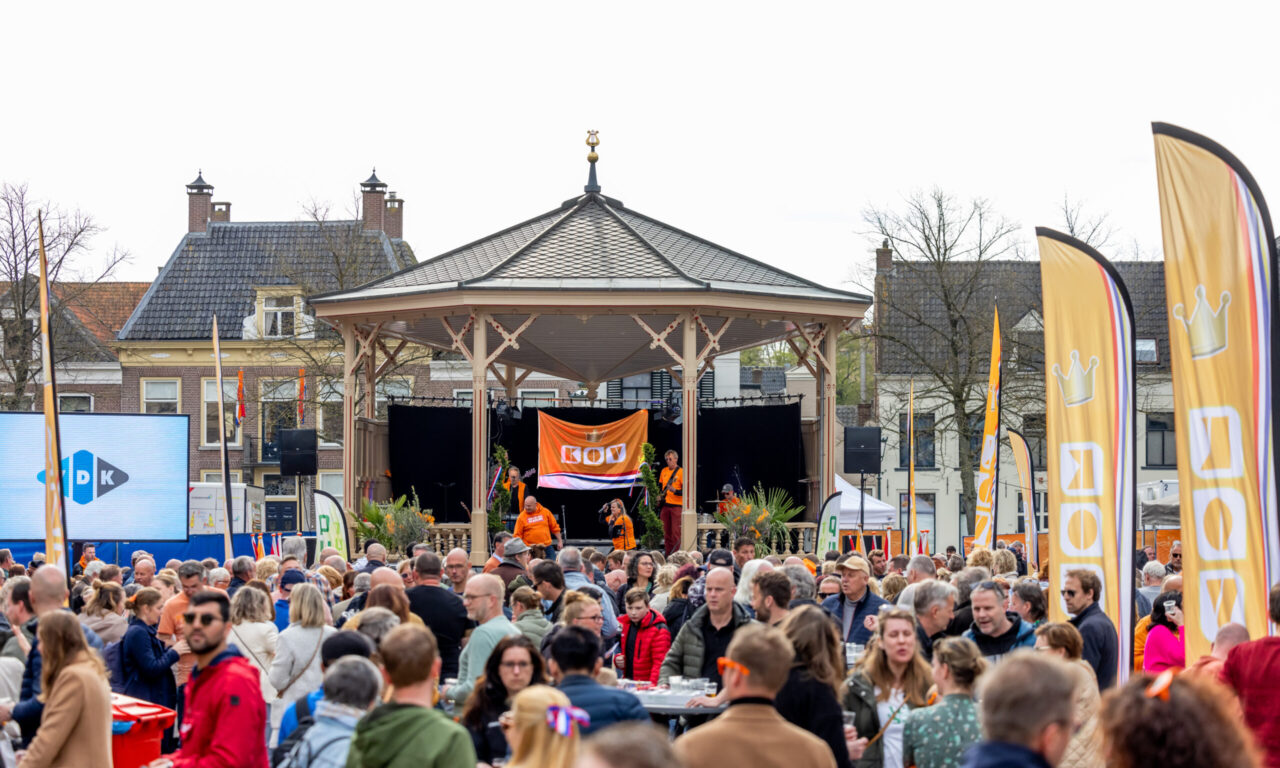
x=997 y=754
x=385 y=732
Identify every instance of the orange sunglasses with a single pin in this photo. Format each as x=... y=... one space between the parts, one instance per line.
x=724 y=663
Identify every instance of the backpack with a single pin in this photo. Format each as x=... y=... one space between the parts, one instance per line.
x=113 y=656
x=302 y=708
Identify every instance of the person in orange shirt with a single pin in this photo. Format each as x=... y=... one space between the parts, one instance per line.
x=672 y=481
x=536 y=525
x=499 y=547
x=516 y=486
x=170 y=630
x=621 y=529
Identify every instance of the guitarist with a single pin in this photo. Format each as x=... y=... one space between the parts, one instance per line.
x=514 y=482
x=672 y=479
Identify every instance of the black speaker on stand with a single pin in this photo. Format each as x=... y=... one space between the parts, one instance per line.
x=862 y=450
x=297 y=452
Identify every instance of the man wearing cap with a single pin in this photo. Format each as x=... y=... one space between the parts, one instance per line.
x=856 y=602
x=346 y=642
x=513 y=570
x=288 y=580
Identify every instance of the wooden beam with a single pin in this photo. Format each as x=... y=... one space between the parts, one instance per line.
x=660 y=337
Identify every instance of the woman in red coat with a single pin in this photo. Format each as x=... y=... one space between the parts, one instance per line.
x=645 y=639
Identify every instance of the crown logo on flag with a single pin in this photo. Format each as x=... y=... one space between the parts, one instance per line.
x=1206 y=328
x=1077 y=385
x=595 y=435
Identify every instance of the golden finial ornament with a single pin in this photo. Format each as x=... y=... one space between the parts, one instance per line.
x=593 y=141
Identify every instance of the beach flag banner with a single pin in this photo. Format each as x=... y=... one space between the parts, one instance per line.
x=55 y=514
x=1089 y=410
x=239 y=397
x=829 y=525
x=1219 y=264
x=588 y=458
x=914 y=533
x=302 y=396
x=222 y=441
x=989 y=459
x=331 y=524
x=1026 y=485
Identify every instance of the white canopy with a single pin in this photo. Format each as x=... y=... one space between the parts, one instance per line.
x=876 y=514
x=1159 y=503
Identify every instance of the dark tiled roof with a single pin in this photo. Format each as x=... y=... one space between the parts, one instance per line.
x=217 y=271
x=912 y=321
x=766 y=380
x=594 y=238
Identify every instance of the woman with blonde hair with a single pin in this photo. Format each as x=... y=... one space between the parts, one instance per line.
x=937 y=736
x=750 y=570
x=334 y=578
x=254 y=632
x=393 y=599
x=295 y=672
x=104 y=611
x=891 y=586
x=891 y=679
x=981 y=557
x=662 y=591
x=809 y=697
x=75 y=727
x=1005 y=563
x=543 y=729
x=167 y=584
x=265 y=569
x=1063 y=640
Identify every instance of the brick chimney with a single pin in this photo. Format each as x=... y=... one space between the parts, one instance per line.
x=199 y=203
x=884 y=257
x=372 y=194
x=221 y=212
x=393 y=217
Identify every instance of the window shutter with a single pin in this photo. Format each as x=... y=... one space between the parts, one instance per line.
x=660 y=386
x=707 y=387
x=613 y=392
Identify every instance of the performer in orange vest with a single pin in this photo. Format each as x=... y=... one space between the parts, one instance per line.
x=515 y=485
x=672 y=481
x=536 y=525
x=621 y=529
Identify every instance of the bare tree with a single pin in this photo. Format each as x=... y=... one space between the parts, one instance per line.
x=69 y=245
x=1092 y=230
x=940 y=327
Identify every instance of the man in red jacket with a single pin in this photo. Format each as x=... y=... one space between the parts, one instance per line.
x=225 y=725
x=645 y=639
x=1251 y=670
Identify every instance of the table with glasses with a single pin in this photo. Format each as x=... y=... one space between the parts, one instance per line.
x=673 y=700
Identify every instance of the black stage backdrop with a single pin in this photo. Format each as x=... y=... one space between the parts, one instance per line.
x=431 y=453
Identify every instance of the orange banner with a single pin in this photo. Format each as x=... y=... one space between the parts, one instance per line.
x=589 y=458
x=1219 y=258
x=989 y=460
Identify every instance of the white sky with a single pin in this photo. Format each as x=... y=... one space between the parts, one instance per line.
x=765 y=128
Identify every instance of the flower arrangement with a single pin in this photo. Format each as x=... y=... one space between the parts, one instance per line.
x=761 y=515
x=397 y=525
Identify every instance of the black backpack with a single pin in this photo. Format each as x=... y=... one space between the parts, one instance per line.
x=302 y=708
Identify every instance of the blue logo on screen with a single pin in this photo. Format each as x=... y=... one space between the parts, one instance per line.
x=86 y=477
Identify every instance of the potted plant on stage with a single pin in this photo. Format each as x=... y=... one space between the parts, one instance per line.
x=397 y=525
x=652 y=501
x=761 y=515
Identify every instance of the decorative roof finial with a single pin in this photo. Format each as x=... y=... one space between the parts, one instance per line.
x=593 y=141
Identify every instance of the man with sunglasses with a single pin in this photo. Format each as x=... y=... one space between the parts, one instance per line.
x=1175 y=558
x=226 y=715
x=751 y=732
x=1080 y=591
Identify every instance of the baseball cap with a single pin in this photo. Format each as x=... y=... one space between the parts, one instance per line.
x=292 y=578
x=855 y=564
x=515 y=546
x=346 y=642
x=720 y=558
x=726 y=488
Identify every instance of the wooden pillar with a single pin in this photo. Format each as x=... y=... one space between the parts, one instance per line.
x=689 y=410
x=371 y=380
x=509 y=383
x=827 y=424
x=479 y=439
x=350 y=494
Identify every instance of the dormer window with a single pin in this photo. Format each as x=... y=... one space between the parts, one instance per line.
x=277 y=317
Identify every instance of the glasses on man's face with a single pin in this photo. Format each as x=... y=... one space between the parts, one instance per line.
x=1069 y=593
x=204 y=619
x=1176 y=555
x=466 y=597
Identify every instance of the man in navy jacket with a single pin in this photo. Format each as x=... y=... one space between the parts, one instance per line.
x=855 y=602
x=575 y=661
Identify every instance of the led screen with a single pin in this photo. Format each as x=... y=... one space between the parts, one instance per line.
x=124 y=476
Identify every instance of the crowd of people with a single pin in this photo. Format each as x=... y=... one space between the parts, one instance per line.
x=541 y=660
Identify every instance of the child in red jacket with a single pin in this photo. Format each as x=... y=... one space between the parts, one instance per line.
x=645 y=639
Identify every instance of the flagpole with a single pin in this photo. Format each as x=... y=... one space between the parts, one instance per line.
x=911 y=469
x=222 y=439
x=55 y=508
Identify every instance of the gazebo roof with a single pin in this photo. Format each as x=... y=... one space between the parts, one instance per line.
x=592 y=290
x=592 y=243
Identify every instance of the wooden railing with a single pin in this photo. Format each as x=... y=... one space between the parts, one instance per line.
x=447 y=536
x=801 y=538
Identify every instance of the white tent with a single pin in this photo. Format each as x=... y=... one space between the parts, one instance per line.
x=876 y=513
x=1159 y=503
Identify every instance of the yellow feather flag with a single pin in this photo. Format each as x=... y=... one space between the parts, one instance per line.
x=913 y=547
x=984 y=531
x=55 y=513
x=1219 y=264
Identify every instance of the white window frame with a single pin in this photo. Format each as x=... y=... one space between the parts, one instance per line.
x=538 y=394
x=206 y=404
x=463 y=398
x=268 y=389
x=75 y=394
x=215 y=475
x=263 y=483
x=1138 y=351
x=273 y=307
x=320 y=477
x=328 y=390
x=142 y=393
x=402 y=384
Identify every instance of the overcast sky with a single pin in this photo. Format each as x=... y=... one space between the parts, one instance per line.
x=765 y=128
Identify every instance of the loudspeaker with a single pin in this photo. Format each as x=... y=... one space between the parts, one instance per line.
x=297 y=452
x=862 y=450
